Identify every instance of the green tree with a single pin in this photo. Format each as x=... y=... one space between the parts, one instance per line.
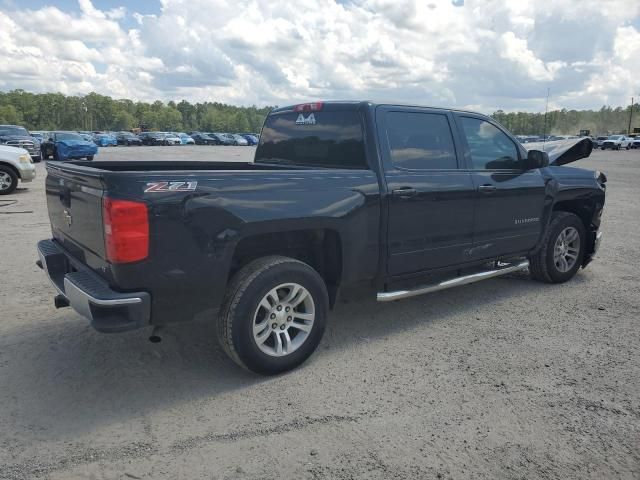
x=9 y=114
x=123 y=121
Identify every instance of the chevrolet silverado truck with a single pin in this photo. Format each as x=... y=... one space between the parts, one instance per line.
x=405 y=200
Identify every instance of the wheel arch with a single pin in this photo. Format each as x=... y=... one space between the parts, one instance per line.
x=319 y=248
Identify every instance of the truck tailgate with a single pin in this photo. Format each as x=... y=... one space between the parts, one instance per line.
x=74 y=201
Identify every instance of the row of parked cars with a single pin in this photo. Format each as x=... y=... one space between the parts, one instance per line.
x=613 y=142
x=616 y=142
x=112 y=139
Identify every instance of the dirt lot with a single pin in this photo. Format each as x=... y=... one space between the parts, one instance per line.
x=503 y=379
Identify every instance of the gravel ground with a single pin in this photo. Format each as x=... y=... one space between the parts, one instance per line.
x=503 y=379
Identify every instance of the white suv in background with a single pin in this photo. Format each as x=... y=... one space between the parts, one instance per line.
x=15 y=165
x=616 y=142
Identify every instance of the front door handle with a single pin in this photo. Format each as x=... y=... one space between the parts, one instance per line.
x=404 y=192
x=487 y=188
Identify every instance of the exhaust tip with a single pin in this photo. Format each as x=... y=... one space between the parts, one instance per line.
x=155 y=335
x=60 y=301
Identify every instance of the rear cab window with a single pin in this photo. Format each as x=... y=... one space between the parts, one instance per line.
x=321 y=136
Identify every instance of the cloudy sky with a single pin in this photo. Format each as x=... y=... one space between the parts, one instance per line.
x=479 y=54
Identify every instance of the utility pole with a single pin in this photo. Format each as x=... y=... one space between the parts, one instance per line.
x=630 y=116
x=546 y=109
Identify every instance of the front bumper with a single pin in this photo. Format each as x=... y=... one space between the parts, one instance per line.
x=27 y=172
x=88 y=294
x=596 y=240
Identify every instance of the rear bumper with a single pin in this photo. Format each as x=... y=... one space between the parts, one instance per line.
x=88 y=294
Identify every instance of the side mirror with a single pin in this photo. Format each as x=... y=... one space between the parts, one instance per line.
x=536 y=159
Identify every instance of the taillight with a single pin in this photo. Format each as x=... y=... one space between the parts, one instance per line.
x=126 y=230
x=308 y=107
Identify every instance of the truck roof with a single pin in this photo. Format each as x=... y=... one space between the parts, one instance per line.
x=367 y=103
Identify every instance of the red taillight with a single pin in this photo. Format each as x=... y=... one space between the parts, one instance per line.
x=126 y=230
x=308 y=107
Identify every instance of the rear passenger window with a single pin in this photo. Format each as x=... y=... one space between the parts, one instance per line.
x=420 y=141
x=490 y=147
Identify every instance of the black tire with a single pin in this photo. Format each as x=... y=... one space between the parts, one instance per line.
x=90 y=157
x=13 y=180
x=37 y=159
x=245 y=291
x=541 y=265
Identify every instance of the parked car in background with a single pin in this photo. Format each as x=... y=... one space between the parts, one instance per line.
x=62 y=146
x=105 y=140
x=616 y=142
x=128 y=139
x=184 y=138
x=16 y=165
x=151 y=138
x=635 y=143
x=237 y=140
x=169 y=138
x=202 y=139
x=220 y=138
x=37 y=135
x=17 y=136
x=251 y=139
x=600 y=140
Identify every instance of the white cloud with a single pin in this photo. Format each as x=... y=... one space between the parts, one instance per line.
x=485 y=54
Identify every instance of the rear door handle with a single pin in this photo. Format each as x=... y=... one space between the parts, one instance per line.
x=404 y=192
x=487 y=188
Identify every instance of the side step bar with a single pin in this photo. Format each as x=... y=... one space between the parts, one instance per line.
x=454 y=282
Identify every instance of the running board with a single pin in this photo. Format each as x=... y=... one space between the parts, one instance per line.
x=454 y=282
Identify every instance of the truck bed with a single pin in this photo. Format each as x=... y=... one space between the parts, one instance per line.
x=166 y=165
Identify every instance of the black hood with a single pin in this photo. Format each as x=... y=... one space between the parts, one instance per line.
x=8 y=138
x=562 y=152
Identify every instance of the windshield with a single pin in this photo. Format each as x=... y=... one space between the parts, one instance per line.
x=327 y=139
x=68 y=136
x=615 y=137
x=21 y=131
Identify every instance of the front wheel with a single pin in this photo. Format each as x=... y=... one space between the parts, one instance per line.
x=562 y=249
x=90 y=157
x=274 y=315
x=8 y=180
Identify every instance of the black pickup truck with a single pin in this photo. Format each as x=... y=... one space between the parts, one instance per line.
x=406 y=200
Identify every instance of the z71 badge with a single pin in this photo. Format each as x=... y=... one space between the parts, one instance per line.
x=154 y=187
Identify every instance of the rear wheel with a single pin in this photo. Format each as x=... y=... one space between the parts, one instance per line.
x=90 y=157
x=274 y=315
x=562 y=251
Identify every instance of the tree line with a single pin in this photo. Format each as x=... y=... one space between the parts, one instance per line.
x=605 y=121
x=56 y=111
x=95 y=112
